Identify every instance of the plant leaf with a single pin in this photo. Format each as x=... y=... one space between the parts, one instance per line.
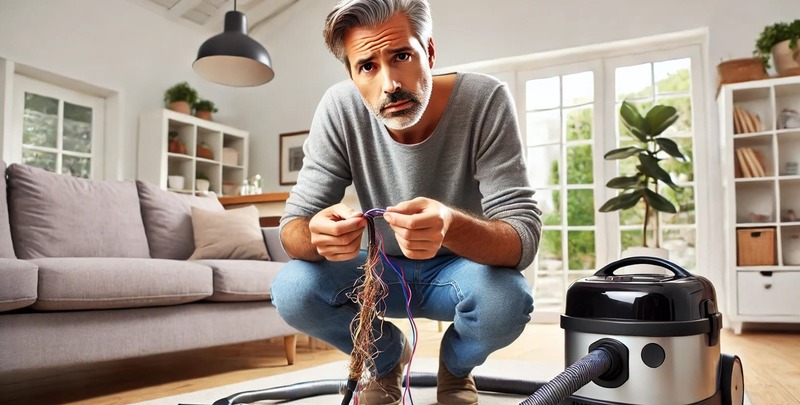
x=658 y=202
x=651 y=168
x=659 y=118
x=633 y=121
x=621 y=202
x=622 y=153
x=669 y=146
x=624 y=182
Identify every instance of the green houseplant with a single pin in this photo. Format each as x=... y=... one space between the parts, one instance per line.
x=775 y=34
x=204 y=108
x=650 y=148
x=180 y=97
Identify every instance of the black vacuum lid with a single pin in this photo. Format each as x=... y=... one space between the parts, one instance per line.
x=641 y=297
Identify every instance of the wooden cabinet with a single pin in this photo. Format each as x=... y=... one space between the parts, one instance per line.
x=210 y=150
x=760 y=153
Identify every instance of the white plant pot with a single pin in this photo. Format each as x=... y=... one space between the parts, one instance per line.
x=644 y=268
x=175 y=182
x=202 y=185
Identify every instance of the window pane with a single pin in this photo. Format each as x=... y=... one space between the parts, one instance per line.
x=77 y=128
x=40 y=120
x=672 y=76
x=683 y=198
x=550 y=204
x=543 y=127
x=543 y=165
x=548 y=291
x=681 y=245
x=634 y=82
x=581 y=252
x=549 y=255
x=580 y=208
x=633 y=215
x=76 y=166
x=42 y=160
x=579 y=124
x=579 y=164
x=633 y=238
x=542 y=94
x=578 y=89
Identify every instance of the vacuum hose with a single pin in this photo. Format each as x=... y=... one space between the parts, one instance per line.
x=599 y=362
x=604 y=361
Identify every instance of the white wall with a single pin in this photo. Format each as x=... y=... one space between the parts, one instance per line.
x=116 y=45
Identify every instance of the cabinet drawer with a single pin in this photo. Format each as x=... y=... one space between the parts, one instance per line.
x=768 y=293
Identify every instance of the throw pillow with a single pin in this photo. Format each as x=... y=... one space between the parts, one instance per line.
x=231 y=234
x=167 y=220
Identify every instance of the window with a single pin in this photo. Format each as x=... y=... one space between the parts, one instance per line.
x=569 y=115
x=568 y=106
x=57 y=129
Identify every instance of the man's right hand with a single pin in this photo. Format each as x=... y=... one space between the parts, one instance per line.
x=336 y=232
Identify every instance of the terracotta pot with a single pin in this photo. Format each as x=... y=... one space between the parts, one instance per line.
x=786 y=61
x=181 y=107
x=206 y=115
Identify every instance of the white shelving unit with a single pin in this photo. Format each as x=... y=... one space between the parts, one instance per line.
x=762 y=235
x=156 y=163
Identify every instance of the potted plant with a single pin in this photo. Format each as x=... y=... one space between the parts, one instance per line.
x=649 y=150
x=202 y=182
x=180 y=97
x=779 y=40
x=204 y=108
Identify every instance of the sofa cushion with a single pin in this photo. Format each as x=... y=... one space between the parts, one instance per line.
x=231 y=234
x=168 y=220
x=54 y=215
x=6 y=246
x=242 y=280
x=104 y=283
x=17 y=284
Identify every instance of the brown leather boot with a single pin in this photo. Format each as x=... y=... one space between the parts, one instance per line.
x=452 y=390
x=388 y=389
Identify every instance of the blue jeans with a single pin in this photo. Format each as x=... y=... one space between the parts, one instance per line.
x=489 y=306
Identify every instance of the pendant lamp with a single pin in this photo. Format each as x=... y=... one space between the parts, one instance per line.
x=233 y=58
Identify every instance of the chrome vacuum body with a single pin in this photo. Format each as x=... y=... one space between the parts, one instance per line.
x=664 y=330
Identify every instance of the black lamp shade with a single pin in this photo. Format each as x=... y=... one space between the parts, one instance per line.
x=233 y=58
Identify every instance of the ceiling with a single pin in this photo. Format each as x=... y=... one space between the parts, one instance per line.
x=209 y=15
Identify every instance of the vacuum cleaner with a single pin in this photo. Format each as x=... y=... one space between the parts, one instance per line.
x=651 y=338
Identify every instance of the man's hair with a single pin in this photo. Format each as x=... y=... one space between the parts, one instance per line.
x=371 y=13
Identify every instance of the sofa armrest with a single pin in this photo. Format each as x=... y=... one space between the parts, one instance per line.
x=274 y=247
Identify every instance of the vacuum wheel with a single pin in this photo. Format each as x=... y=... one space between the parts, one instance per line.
x=731 y=380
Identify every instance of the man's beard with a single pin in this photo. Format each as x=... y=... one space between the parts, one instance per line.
x=400 y=120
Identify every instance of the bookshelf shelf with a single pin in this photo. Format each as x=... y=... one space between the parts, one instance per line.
x=761 y=179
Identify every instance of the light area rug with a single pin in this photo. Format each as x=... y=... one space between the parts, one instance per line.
x=506 y=369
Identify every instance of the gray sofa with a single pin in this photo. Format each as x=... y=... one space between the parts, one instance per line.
x=101 y=270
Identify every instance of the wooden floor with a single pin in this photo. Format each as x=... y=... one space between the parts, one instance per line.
x=771 y=365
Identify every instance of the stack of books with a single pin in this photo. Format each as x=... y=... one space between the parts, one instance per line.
x=745 y=122
x=749 y=163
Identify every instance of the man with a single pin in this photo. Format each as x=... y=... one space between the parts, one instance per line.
x=443 y=156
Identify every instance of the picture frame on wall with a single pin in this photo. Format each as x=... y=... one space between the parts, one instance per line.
x=291 y=156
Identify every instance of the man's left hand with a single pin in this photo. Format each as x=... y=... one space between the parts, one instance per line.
x=420 y=226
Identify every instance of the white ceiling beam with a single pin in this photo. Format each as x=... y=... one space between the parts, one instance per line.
x=182 y=7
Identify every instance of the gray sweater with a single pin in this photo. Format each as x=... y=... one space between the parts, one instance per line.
x=472 y=161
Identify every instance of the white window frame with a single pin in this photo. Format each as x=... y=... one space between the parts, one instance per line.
x=24 y=84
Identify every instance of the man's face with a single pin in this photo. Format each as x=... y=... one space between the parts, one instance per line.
x=392 y=71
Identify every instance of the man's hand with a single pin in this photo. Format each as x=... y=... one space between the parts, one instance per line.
x=419 y=226
x=336 y=232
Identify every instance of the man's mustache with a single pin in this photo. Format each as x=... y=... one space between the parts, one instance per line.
x=398 y=95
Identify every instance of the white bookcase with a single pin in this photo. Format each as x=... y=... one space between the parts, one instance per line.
x=156 y=163
x=762 y=210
